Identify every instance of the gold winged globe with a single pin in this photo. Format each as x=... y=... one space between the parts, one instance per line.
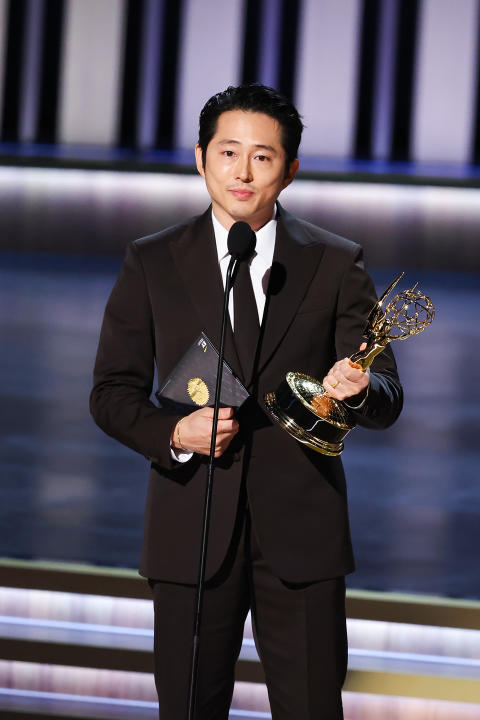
x=301 y=405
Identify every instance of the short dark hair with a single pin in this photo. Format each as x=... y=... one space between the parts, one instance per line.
x=253 y=97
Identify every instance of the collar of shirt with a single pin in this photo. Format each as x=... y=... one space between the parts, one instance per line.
x=265 y=241
x=260 y=263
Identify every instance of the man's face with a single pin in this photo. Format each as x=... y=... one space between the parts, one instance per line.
x=245 y=168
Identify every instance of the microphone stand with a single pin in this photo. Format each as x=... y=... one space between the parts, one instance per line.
x=192 y=691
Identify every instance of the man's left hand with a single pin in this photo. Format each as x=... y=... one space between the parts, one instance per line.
x=346 y=379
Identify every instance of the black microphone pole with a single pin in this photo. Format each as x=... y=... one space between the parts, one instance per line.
x=243 y=241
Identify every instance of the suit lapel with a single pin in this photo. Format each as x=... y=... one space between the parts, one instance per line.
x=295 y=263
x=195 y=256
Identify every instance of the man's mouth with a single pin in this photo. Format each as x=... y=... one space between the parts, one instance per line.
x=241 y=194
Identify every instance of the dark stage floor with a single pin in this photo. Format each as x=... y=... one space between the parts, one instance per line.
x=71 y=493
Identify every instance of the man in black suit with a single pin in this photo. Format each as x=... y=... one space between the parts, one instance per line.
x=279 y=538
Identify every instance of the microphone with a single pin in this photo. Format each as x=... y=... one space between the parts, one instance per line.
x=241 y=241
x=241 y=244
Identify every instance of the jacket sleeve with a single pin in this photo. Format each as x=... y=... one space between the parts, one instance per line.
x=124 y=369
x=355 y=300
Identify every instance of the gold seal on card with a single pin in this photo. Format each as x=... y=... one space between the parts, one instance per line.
x=198 y=391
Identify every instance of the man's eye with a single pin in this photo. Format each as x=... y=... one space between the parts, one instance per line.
x=262 y=158
x=228 y=153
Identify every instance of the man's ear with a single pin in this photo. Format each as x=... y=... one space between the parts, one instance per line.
x=199 y=160
x=292 y=169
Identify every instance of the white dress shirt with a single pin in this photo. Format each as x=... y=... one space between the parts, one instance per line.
x=260 y=263
x=260 y=266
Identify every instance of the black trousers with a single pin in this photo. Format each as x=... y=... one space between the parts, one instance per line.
x=299 y=630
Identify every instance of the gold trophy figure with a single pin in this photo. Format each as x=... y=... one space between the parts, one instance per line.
x=301 y=406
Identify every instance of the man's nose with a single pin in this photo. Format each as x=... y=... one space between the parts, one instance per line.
x=244 y=171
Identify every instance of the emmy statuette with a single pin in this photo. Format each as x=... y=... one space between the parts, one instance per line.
x=301 y=406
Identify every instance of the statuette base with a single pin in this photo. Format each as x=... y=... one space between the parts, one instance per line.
x=302 y=408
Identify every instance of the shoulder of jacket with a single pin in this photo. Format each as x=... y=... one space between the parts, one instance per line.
x=309 y=234
x=319 y=235
x=163 y=236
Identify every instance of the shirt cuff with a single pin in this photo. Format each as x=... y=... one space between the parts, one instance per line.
x=180 y=455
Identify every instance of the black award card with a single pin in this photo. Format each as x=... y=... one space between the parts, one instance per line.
x=191 y=384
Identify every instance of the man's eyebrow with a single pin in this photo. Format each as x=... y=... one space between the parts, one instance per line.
x=266 y=147
x=259 y=146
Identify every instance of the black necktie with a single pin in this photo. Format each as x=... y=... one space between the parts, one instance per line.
x=246 y=326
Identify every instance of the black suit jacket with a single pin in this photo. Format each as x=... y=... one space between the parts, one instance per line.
x=168 y=291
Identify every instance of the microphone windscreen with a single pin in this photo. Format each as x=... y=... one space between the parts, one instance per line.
x=241 y=240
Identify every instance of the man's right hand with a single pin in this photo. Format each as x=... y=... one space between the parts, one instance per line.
x=195 y=431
